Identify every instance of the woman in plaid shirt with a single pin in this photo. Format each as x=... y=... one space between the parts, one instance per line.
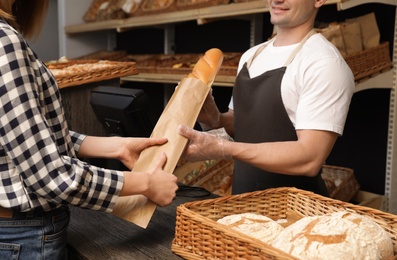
x=40 y=172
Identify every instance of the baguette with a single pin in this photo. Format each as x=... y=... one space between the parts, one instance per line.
x=208 y=66
x=189 y=98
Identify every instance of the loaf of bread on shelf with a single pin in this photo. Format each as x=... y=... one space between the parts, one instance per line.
x=91 y=14
x=111 y=10
x=328 y=237
x=157 y=6
x=255 y=225
x=189 y=4
x=131 y=7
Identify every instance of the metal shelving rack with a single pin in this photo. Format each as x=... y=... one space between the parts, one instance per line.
x=385 y=80
x=391 y=160
x=250 y=10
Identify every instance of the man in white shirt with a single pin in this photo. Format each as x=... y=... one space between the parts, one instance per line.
x=290 y=103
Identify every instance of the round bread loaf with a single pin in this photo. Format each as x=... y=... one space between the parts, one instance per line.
x=254 y=225
x=326 y=237
x=372 y=229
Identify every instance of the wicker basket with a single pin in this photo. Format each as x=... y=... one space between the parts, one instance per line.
x=230 y=64
x=88 y=75
x=92 y=12
x=244 y=1
x=341 y=182
x=213 y=175
x=146 y=63
x=189 y=4
x=199 y=236
x=112 y=11
x=157 y=6
x=369 y=62
x=132 y=7
x=180 y=64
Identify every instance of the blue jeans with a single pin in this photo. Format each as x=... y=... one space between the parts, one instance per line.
x=35 y=235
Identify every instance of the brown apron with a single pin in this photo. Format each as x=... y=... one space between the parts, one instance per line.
x=260 y=116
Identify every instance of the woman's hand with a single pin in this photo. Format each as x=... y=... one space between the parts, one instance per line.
x=132 y=148
x=162 y=185
x=156 y=184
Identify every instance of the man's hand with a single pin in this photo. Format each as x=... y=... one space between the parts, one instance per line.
x=203 y=146
x=209 y=116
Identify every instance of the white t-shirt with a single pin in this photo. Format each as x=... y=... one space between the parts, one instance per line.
x=317 y=86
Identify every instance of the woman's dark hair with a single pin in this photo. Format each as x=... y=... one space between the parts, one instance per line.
x=27 y=16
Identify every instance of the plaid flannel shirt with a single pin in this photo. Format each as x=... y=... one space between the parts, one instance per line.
x=38 y=164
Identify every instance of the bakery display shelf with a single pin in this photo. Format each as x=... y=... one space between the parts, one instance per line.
x=220 y=80
x=173 y=17
x=346 y=4
x=380 y=81
x=219 y=11
x=94 y=26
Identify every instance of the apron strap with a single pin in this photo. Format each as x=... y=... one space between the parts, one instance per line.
x=292 y=55
x=298 y=48
x=259 y=50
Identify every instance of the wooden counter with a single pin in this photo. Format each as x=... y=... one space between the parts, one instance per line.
x=99 y=235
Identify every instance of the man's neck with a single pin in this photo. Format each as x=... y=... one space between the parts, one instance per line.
x=287 y=37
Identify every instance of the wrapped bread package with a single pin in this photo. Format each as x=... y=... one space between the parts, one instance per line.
x=182 y=108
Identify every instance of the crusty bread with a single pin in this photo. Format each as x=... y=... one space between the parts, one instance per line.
x=372 y=229
x=326 y=237
x=254 y=225
x=208 y=66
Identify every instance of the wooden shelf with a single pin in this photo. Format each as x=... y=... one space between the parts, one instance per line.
x=219 y=11
x=346 y=4
x=380 y=81
x=220 y=81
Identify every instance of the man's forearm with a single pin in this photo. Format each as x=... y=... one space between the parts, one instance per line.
x=302 y=157
x=227 y=122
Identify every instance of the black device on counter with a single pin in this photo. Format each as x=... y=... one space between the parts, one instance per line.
x=123 y=111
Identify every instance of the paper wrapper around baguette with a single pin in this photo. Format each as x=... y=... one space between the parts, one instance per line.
x=183 y=108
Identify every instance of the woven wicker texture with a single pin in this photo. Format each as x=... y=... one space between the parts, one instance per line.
x=180 y=64
x=187 y=4
x=244 y=1
x=157 y=6
x=91 y=13
x=199 y=236
x=215 y=176
x=369 y=62
x=112 y=11
x=341 y=182
x=90 y=73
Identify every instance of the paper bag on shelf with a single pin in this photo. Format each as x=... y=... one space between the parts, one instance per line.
x=369 y=30
x=352 y=37
x=333 y=33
